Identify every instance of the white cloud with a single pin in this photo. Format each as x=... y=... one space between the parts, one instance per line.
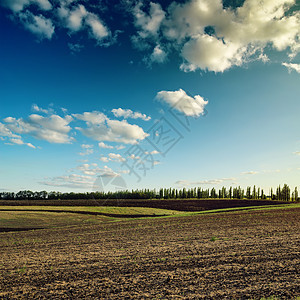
x=100 y=128
x=249 y=173
x=211 y=37
x=297 y=152
x=105 y=146
x=116 y=157
x=182 y=102
x=128 y=171
x=18 y=5
x=4 y=131
x=271 y=171
x=53 y=129
x=133 y=156
x=39 y=109
x=79 y=18
x=104 y=159
x=86 y=146
x=207 y=52
x=73 y=18
x=19 y=141
x=71 y=181
x=97 y=29
x=128 y=113
x=87 y=170
x=108 y=172
x=149 y=24
x=75 y=48
x=120 y=147
x=56 y=129
x=92 y=118
x=113 y=157
x=38 y=25
x=87 y=152
x=290 y=66
x=158 y=55
x=152 y=152
x=93 y=170
x=209 y=182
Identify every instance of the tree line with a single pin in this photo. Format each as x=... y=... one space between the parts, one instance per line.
x=283 y=193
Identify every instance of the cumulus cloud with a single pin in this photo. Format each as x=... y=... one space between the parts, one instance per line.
x=249 y=173
x=190 y=106
x=56 y=129
x=86 y=146
x=101 y=128
x=97 y=29
x=93 y=169
x=77 y=18
x=120 y=147
x=207 y=52
x=104 y=159
x=158 y=55
x=148 y=24
x=73 y=18
x=92 y=118
x=53 y=129
x=105 y=146
x=116 y=157
x=113 y=157
x=88 y=149
x=152 y=152
x=19 y=141
x=5 y=132
x=108 y=172
x=37 y=24
x=64 y=14
x=212 y=37
x=134 y=157
x=70 y=181
x=18 y=5
x=290 y=66
x=75 y=48
x=36 y=108
x=210 y=182
x=128 y=113
x=297 y=153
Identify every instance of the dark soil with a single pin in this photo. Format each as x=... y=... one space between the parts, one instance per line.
x=179 y=204
x=16 y=229
x=241 y=255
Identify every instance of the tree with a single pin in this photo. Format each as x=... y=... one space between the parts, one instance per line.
x=213 y=193
x=199 y=194
x=278 y=193
x=254 y=192
x=296 y=194
x=285 y=193
x=248 y=192
x=161 y=193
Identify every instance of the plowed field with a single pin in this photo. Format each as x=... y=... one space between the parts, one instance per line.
x=237 y=255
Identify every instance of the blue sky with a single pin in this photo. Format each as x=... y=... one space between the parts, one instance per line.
x=160 y=94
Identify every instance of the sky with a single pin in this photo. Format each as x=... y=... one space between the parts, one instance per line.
x=109 y=95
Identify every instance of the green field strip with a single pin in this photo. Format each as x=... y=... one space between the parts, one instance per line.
x=110 y=211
